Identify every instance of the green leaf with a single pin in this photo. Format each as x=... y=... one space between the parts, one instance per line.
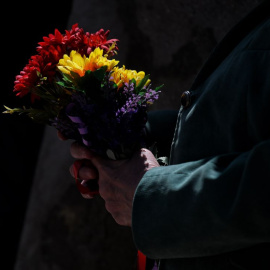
x=133 y=81
x=38 y=115
x=74 y=76
x=91 y=79
x=100 y=73
x=159 y=87
x=67 y=77
x=66 y=81
x=141 y=84
x=61 y=83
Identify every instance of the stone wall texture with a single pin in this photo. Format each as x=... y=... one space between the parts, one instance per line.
x=170 y=40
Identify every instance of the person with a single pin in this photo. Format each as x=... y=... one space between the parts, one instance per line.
x=210 y=207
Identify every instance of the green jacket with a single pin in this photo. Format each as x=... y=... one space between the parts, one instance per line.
x=210 y=208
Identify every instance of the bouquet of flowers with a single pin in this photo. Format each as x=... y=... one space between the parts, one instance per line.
x=76 y=86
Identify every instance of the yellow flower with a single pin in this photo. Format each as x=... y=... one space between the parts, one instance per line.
x=122 y=75
x=79 y=64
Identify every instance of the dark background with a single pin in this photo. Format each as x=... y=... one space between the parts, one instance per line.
x=24 y=23
x=45 y=224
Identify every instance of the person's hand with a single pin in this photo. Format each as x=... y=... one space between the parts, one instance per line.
x=117 y=180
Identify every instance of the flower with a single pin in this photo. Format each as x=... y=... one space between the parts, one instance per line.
x=76 y=86
x=41 y=68
x=79 y=64
x=120 y=76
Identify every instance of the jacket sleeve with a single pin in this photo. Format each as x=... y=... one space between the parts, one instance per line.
x=201 y=208
x=207 y=206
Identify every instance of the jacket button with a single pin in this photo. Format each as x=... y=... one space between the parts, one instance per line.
x=186 y=99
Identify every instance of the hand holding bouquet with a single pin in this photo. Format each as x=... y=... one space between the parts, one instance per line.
x=76 y=86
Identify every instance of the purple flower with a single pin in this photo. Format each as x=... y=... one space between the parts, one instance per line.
x=114 y=119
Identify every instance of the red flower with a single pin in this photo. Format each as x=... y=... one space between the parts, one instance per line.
x=25 y=81
x=51 y=50
x=32 y=75
x=99 y=39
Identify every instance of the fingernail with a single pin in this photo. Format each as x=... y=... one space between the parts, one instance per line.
x=84 y=183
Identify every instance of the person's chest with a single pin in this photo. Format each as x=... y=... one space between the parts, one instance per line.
x=219 y=118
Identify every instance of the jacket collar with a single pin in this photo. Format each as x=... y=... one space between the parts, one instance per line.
x=237 y=33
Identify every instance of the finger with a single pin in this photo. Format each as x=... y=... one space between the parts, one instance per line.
x=86 y=171
x=87 y=196
x=80 y=151
x=88 y=188
x=91 y=184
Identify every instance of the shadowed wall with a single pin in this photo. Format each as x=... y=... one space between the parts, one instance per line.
x=170 y=40
x=23 y=25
